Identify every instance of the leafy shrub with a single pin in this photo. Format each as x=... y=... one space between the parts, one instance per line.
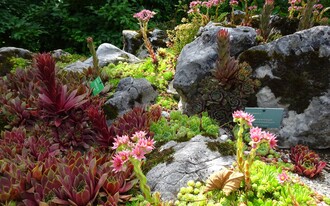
x=181 y=127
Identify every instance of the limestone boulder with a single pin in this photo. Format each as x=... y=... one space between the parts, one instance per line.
x=131 y=93
x=107 y=54
x=295 y=74
x=192 y=160
x=59 y=54
x=192 y=79
x=7 y=53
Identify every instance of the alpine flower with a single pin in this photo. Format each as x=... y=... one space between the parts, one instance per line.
x=144 y=15
x=283 y=177
x=241 y=115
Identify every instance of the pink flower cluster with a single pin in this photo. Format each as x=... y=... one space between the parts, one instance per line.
x=293 y=2
x=318 y=6
x=257 y=136
x=127 y=147
x=295 y=8
x=233 y=2
x=208 y=4
x=253 y=8
x=269 y=2
x=283 y=177
x=241 y=115
x=144 y=15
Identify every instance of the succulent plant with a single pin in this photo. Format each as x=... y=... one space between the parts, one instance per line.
x=306 y=162
x=226 y=66
x=12 y=181
x=80 y=185
x=138 y=119
x=40 y=148
x=12 y=143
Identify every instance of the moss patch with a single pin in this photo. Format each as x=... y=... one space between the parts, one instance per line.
x=156 y=157
x=225 y=148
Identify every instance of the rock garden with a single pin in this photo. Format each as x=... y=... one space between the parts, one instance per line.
x=163 y=121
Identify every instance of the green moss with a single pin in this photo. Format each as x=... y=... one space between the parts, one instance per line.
x=156 y=157
x=225 y=148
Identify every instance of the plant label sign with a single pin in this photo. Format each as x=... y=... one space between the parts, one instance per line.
x=97 y=86
x=266 y=117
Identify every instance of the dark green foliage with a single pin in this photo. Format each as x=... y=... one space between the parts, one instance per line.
x=47 y=24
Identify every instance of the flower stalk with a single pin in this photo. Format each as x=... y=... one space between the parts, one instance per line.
x=244 y=121
x=144 y=16
x=132 y=150
x=91 y=47
x=142 y=179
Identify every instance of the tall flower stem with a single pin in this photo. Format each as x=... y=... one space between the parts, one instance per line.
x=247 y=166
x=91 y=47
x=240 y=146
x=144 y=17
x=142 y=178
x=148 y=45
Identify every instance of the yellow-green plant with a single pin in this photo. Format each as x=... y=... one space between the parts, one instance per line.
x=19 y=63
x=182 y=35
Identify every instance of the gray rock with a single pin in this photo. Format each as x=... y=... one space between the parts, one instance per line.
x=6 y=53
x=58 y=54
x=198 y=58
x=192 y=160
x=134 y=44
x=132 y=41
x=295 y=74
x=131 y=93
x=107 y=54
